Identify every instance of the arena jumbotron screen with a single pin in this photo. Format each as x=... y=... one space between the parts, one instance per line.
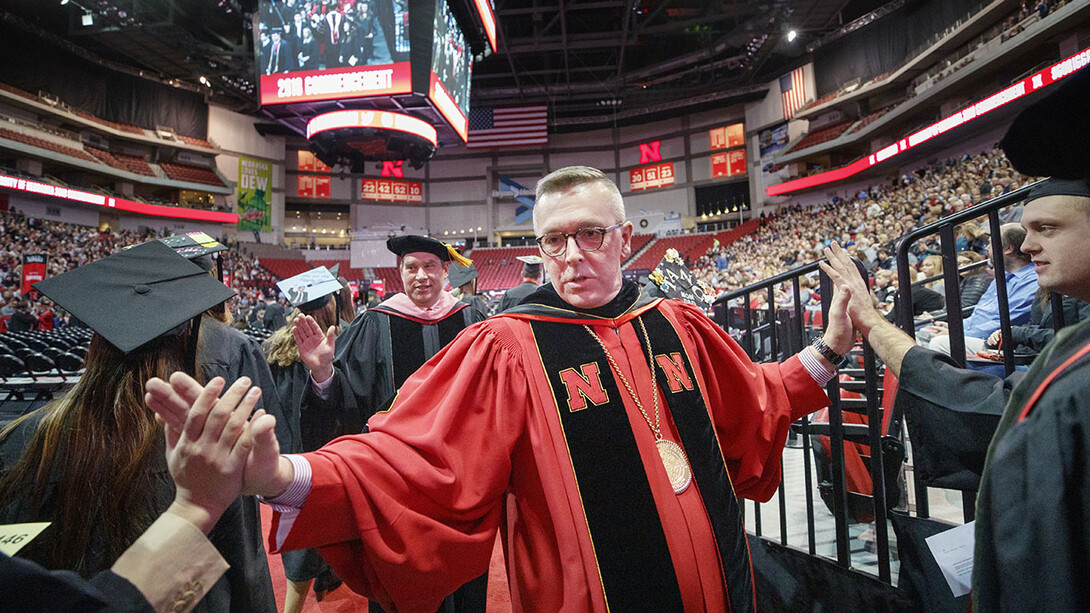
x=448 y=87
x=312 y=51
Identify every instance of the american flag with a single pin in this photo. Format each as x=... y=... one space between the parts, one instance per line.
x=793 y=92
x=515 y=126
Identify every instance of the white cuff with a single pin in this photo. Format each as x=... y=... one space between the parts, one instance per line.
x=821 y=373
x=295 y=496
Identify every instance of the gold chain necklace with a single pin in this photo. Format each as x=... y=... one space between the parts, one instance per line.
x=672 y=455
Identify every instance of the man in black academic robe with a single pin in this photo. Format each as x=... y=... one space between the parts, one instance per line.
x=531 y=279
x=1034 y=491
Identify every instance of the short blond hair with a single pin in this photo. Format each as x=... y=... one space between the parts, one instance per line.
x=566 y=178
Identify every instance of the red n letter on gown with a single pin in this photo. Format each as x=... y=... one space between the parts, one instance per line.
x=674 y=369
x=584 y=385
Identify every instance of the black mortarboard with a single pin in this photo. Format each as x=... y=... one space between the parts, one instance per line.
x=531 y=265
x=675 y=281
x=193 y=244
x=137 y=294
x=310 y=290
x=1051 y=138
x=197 y=247
x=1059 y=187
x=460 y=275
x=412 y=243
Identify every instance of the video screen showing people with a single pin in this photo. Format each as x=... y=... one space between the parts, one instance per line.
x=451 y=57
x=297 y=35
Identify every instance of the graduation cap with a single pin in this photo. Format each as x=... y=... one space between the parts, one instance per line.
x=193 y=244
x=675 y=281
x=460 y=275
x=531 y=265
x=1059 y=187
x=1051 y=137
x=197 y=247
x=310 y=290
x=412 y=243
x=137 y=294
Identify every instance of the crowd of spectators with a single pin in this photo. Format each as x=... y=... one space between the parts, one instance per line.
x=67 y=246
x=869 y=224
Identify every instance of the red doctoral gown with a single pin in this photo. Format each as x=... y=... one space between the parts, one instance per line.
x=482 y=438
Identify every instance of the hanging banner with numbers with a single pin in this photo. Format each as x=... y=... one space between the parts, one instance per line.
x=650 y=177
x=729 y=163
x=391 y=190
x=254 y=194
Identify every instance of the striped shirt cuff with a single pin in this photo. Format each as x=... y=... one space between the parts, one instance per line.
x=321 y=389
x=821 y=373
x=293 y=498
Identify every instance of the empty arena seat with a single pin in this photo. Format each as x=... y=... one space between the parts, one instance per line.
x=11 y=366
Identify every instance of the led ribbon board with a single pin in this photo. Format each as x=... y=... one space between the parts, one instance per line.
x=379 y=120
x=75 y=195
x=1030 y=84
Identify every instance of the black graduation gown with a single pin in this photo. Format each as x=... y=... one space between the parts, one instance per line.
x=476 y=302
x=367 y=369
x=30 y=587
x=514 y=296
x=225 y=352
x=245 y=587
x=317 y=422
x=951 y=414
x=1032 y=537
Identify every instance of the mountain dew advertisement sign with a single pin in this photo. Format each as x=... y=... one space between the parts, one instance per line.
x=254 y=194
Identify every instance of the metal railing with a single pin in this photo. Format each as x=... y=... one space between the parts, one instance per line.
x=775 y=333
x=777 y=330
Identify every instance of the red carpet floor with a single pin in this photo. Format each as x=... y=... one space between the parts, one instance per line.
x=344 y=600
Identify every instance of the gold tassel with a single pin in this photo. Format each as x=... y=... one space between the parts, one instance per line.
x=457 y=257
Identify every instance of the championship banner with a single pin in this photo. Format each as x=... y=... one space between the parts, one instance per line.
x=391 y=190
x=254 y=194
x=650 y=177
x=729 y=163
x=33 y=270
x=727 y=137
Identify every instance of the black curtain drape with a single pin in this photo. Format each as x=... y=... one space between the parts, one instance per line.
x=32 y=64
x=885 y=44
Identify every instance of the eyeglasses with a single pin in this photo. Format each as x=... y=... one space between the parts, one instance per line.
x=554 y=244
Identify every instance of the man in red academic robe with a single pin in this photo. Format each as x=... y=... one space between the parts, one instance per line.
x=604 y=434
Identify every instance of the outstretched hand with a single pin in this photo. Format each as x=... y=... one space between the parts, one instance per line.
x=315 y=347
x=186 y=409
x=207 y=453
x=850 y=287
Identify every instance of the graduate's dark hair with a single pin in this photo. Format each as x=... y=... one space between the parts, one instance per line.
x=346 y=309
x=88 y=459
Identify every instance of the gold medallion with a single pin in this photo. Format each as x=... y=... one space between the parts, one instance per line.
x=676 y=464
